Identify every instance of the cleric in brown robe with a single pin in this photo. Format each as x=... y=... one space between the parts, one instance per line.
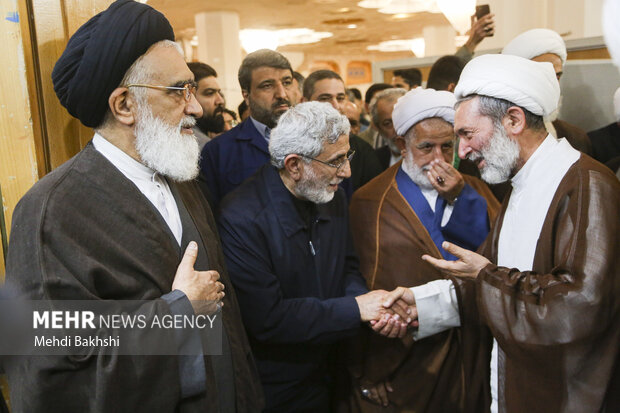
x=547 y=285
x=113 y=223
x=408 y=211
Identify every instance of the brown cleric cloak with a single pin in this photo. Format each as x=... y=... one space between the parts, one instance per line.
x=431 y=375
x=559 y=324
x=85 y=232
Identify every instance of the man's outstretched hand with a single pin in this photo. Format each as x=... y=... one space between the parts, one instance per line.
x=468 y=265
x=392 y=326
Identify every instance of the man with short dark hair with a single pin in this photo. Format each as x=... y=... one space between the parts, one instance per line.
x=286 y=239
x=243 y=110
x=445 y=73
x=210 y=96
x=370 y=134
x=327 y=86
x=381 y=109
x=266 y=80
x=298 y=90
x=124 y=220
x=407 y=78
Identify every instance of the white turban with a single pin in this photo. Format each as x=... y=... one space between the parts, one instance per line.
x=531 y=85
x=535 y=42
x=419 y=104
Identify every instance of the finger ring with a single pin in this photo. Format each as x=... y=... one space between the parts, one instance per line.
x=440 y=180
x=365 y=392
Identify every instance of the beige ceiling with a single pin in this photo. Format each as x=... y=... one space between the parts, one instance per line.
x=320 y=15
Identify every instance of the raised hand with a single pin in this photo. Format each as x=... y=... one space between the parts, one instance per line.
x=480 y=28
x=469 y=264
x=446 y=180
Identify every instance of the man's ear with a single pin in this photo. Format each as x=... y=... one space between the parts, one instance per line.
x=514 y=120
x=402 y=145
x=293 y=166
x=451 y=87
x=122 y=106
x=246 y=96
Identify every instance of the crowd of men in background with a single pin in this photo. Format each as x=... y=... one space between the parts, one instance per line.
x=362 y=263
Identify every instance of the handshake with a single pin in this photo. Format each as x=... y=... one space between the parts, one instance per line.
x=390 y=313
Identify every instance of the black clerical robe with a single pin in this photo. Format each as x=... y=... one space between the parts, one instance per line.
x=85 y=232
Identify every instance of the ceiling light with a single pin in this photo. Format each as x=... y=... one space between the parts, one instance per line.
x=373 y=4
x=300 y=36
x=399 y=16
x=400 y=45
x=344 y=10
x=352 y=26
x=254 y=39
x=458 y=13
x=410 y=6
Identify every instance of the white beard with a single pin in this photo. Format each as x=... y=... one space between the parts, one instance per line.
x=163 y=148
x=313 y=189
x=500 y=155
x=416 y=173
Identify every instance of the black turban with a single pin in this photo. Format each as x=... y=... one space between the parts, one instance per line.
x=100 y=52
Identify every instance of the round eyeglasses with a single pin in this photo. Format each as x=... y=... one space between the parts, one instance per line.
x=188 y=88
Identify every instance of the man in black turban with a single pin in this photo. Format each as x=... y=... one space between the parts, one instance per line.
x=125 y=220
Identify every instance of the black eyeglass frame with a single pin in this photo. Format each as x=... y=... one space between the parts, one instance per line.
x=338 y=166
x=189 y=88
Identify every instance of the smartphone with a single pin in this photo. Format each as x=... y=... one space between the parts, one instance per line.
x=482 y=10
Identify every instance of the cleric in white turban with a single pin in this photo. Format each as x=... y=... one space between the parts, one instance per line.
x=544 y=45
x=536 y=42
x=419 y=104
x=528 y=84
x=407 y=211
x=547 y=278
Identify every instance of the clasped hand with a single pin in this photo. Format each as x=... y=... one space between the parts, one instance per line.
x=389 y=313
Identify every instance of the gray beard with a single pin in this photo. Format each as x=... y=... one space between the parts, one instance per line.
x=311 y=189
x=500 y=155
x=416 y=173
x=163 y=148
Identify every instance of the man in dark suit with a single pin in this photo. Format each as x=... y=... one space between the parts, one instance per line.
x=381 y=109
x=266 y=80
x=285 y=233
x=327 y=86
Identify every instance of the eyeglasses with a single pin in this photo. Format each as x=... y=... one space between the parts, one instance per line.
x=189 y=88
x=338 y=164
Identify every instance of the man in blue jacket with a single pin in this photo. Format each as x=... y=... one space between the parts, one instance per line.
x=285 y=234
x=266 y=80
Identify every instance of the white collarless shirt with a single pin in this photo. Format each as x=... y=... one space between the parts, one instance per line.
x=152 y=185
x=533 y=189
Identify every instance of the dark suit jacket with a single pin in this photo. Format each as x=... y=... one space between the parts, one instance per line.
x=577 y=137
x=365 y=164
x=296 y=284
x=384 y=154
x=605 y=142
x=231 y=158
